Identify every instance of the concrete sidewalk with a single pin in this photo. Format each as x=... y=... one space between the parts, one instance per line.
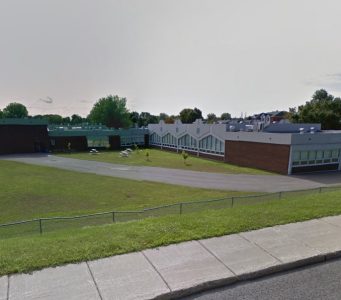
x=181 y=269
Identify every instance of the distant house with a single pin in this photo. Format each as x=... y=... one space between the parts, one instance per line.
x=273 y=116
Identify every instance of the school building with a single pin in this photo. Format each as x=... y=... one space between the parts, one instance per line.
x=269 y=145
x=279 y=147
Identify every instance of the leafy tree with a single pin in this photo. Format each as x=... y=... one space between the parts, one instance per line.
x=166 y=118
x=163 y=116
x=134 y=117
x=184 y=155
x=1 y=114
x=111 y=111
x=15 y=110
x=322 y=108
x=170 y=119
x=76 y=119
x=53 y=119
x=225 y=116
x=146 y=118
x=147 y=155
x=66 y=120
x=211 y=118
x=188 y=115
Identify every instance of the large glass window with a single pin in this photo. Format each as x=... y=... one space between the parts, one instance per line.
x=315 y=157
x=130 y=140
x=335 y=155
x=155 y=139
x=211 y=144
x=187 y=142
x=98 y=141
x=169 y=140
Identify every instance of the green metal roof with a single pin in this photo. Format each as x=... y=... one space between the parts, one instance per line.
x=25 y=121
x=64 y=131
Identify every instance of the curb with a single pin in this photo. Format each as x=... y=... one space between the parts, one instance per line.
x=223 y=282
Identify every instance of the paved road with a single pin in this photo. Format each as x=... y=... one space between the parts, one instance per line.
x=322 y=281
x=236 y=182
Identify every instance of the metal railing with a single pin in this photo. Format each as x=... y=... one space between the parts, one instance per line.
x=42 y=225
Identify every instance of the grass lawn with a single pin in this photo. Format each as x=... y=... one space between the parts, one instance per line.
x=28 y=191
x=28 y=253
x=165 y=159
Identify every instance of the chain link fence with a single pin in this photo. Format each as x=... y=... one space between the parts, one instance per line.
x=44 y=225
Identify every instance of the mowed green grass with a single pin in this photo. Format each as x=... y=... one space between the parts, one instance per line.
x=28 y=191
x=60 y=247
x=165 y=159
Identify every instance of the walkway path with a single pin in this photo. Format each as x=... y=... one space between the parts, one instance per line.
x=235 y=182
x=183 y=268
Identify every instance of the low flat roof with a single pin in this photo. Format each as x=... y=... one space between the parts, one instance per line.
x=24 y=121
x=96 y=132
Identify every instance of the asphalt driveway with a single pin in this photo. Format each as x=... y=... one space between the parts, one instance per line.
x=236 y=182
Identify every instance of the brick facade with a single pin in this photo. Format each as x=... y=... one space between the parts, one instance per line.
x=23 y=139
x=270 y=157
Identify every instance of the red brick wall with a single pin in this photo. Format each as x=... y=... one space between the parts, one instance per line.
x=271 y=157
x=23 y=139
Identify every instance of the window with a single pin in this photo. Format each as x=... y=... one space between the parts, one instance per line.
x=155 y=139
x=187 y=142
x=130 y=140
x=169 y=140
x=312 y=157
x=335 y=155
x=315 y=157
x=98 y=141
x=210 y=144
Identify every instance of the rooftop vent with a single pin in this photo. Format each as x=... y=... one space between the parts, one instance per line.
x=249 y=128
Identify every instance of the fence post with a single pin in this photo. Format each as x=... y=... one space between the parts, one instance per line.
x=279 y=195
x=40 y=226
x=113 y=217
x=232 y=201
x=181 y=208
x=320 y=189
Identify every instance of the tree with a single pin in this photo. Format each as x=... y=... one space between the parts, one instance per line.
x=53 y=119
x=184 y=155
x=66 y=120
x=322 y=108
x=146 y=118
x=166 y=118
x=111 y=111
x=188 y=115
x=147 y=155
x=170 y=119
x=163 y=116
x=211 y=118
x=134 y=117
x=15 y=110
x=76 y=119
x=1 y=114
x=225 y=116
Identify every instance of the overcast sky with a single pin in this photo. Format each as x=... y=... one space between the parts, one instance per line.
x=61 y=56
